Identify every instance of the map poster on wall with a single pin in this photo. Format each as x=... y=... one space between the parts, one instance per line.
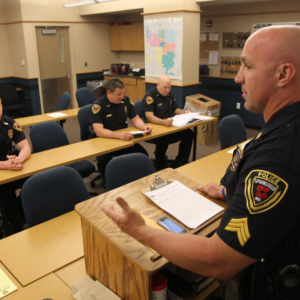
x=163 y=47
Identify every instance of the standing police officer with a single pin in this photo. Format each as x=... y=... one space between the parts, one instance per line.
x=261 y=185
x=11 y=131
x=159 y=106
x=109 y=113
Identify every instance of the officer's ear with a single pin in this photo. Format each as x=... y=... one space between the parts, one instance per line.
x=285 y=73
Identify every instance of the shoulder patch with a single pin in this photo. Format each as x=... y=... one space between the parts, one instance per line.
x=149 y=100
x=10 y=133
x=17 y=126
x=263 y=190
x=240 y=226
x=237 y=156
x=96 y=108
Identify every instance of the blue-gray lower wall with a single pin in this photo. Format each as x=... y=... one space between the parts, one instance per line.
x=29 y=92
x=229 y=94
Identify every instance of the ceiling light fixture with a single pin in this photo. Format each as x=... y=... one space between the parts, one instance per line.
x=82 y=3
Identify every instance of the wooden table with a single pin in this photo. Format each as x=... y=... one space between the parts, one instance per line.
x=208 y=169
x=32 y=120
x=117 y=260
x=160 y=130
x=33 y=253
x=62 y=156
x=48 y=287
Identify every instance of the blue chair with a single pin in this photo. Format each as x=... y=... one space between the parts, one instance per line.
x=52 y=193
x=232 y=131
x=50 y=135
x=85 y=96
x=63 y=104
x=127 y=168
x=84 y=123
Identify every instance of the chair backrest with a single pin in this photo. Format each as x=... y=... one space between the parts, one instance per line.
x=138 y=108
x=232 y=131
x=84 y=121
x=85 y=96
x=63 y=101
x=127 y=168
x=52 y=193
x=47 y=135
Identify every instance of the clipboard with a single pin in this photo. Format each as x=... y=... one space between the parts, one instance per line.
x=158 y=183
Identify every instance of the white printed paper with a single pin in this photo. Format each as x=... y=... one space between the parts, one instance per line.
x=6 y=285
x=187 y=206
x=57 y=115
x=213 y=57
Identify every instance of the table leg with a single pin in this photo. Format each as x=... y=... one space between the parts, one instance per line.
x=195 y=143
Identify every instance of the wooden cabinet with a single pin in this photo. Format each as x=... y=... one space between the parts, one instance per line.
x=127 y=38
x=135 y=88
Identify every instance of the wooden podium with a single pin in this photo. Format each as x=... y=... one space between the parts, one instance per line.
x=115 y=259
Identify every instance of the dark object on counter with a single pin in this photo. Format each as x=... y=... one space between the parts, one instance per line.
x=140 y=72
x=203 y=70
x=121 y=69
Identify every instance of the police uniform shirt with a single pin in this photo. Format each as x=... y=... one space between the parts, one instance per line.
x=112 y=116
x=163 y=107
x=10 y=131
x=263 y=188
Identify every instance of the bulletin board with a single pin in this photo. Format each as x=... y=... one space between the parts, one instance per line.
x=209 y=41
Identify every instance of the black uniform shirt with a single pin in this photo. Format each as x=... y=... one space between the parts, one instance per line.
x=263 y=188
x=163 y=107
x=112 y=116
x=10 y=131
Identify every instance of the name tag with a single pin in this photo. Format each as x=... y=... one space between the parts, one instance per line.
x=108 y=115
x=160 y=104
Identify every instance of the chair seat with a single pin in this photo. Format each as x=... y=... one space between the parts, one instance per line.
x=85 y=168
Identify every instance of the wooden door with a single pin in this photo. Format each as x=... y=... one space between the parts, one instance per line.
x=54 y=66
x=114 y=38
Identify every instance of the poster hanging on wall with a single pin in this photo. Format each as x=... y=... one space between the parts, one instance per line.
x=163 y=47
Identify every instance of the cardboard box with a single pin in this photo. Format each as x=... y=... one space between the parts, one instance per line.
x=208 y=133
x=203 y=104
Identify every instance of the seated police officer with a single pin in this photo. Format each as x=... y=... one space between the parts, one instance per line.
x=11 y=159
x=261 y=185
x=109 y=113
x=159 y=106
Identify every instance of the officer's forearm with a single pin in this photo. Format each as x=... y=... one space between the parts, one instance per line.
x=106 y=133
x=25 y=151
x=155 y=120
x=178 y=111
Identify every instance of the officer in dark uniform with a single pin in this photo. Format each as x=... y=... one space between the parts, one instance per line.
x=12 y=159
x=260 y=229
x=109 y=113
x=159 y=106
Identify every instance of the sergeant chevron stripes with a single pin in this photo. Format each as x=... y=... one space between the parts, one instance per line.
x=241 y=227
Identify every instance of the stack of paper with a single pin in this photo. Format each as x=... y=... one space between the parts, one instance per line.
x=181 y=120
x=185 y=205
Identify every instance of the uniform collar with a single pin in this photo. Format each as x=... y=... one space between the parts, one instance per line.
x=285 y=115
